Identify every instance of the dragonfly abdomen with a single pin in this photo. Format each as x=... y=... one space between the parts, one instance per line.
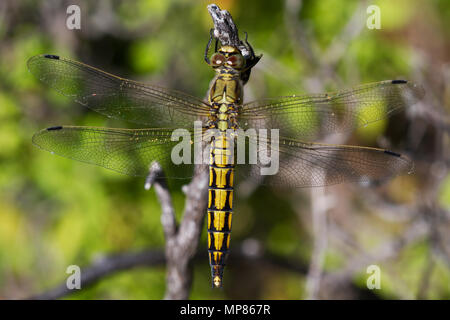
x=220 y=205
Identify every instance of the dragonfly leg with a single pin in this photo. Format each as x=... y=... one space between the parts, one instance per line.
x=208 y=45
x=211 y=34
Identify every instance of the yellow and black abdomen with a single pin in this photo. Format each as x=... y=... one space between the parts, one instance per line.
x=220 y=205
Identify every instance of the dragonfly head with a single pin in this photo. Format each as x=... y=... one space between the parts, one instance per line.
x=236 y=59
x=227 y=58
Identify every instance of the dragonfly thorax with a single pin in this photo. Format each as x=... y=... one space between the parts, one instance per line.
x=225 y=97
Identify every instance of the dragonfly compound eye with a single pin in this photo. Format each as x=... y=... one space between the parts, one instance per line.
x=217 y=59
x=236 y=61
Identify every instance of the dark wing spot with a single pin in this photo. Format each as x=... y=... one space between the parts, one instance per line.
x=54 y=128
x=51 y=56
x=399 y=81
x=392 y=153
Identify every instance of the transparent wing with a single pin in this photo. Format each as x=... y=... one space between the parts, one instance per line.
x=304 y=164
x=128 y=151
x=312 y=116
x=117 y=97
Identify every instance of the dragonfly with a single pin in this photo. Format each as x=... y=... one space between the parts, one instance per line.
x=298 y=119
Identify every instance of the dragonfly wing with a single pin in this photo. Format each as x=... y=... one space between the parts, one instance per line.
x=311 y=116
x=128 y=151
x=118 y=97
x=304 y=164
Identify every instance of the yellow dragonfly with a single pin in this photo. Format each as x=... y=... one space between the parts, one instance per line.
x=163 y=111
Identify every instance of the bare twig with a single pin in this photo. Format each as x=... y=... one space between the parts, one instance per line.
x=156 y=177
x=181 y=248
x=112 y=264
x=224 y=28
x=109 y=265
x=181 y=243
x=104 y=267
x=320 y=204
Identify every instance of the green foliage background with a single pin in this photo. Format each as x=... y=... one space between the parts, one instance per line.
x=55 y=212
